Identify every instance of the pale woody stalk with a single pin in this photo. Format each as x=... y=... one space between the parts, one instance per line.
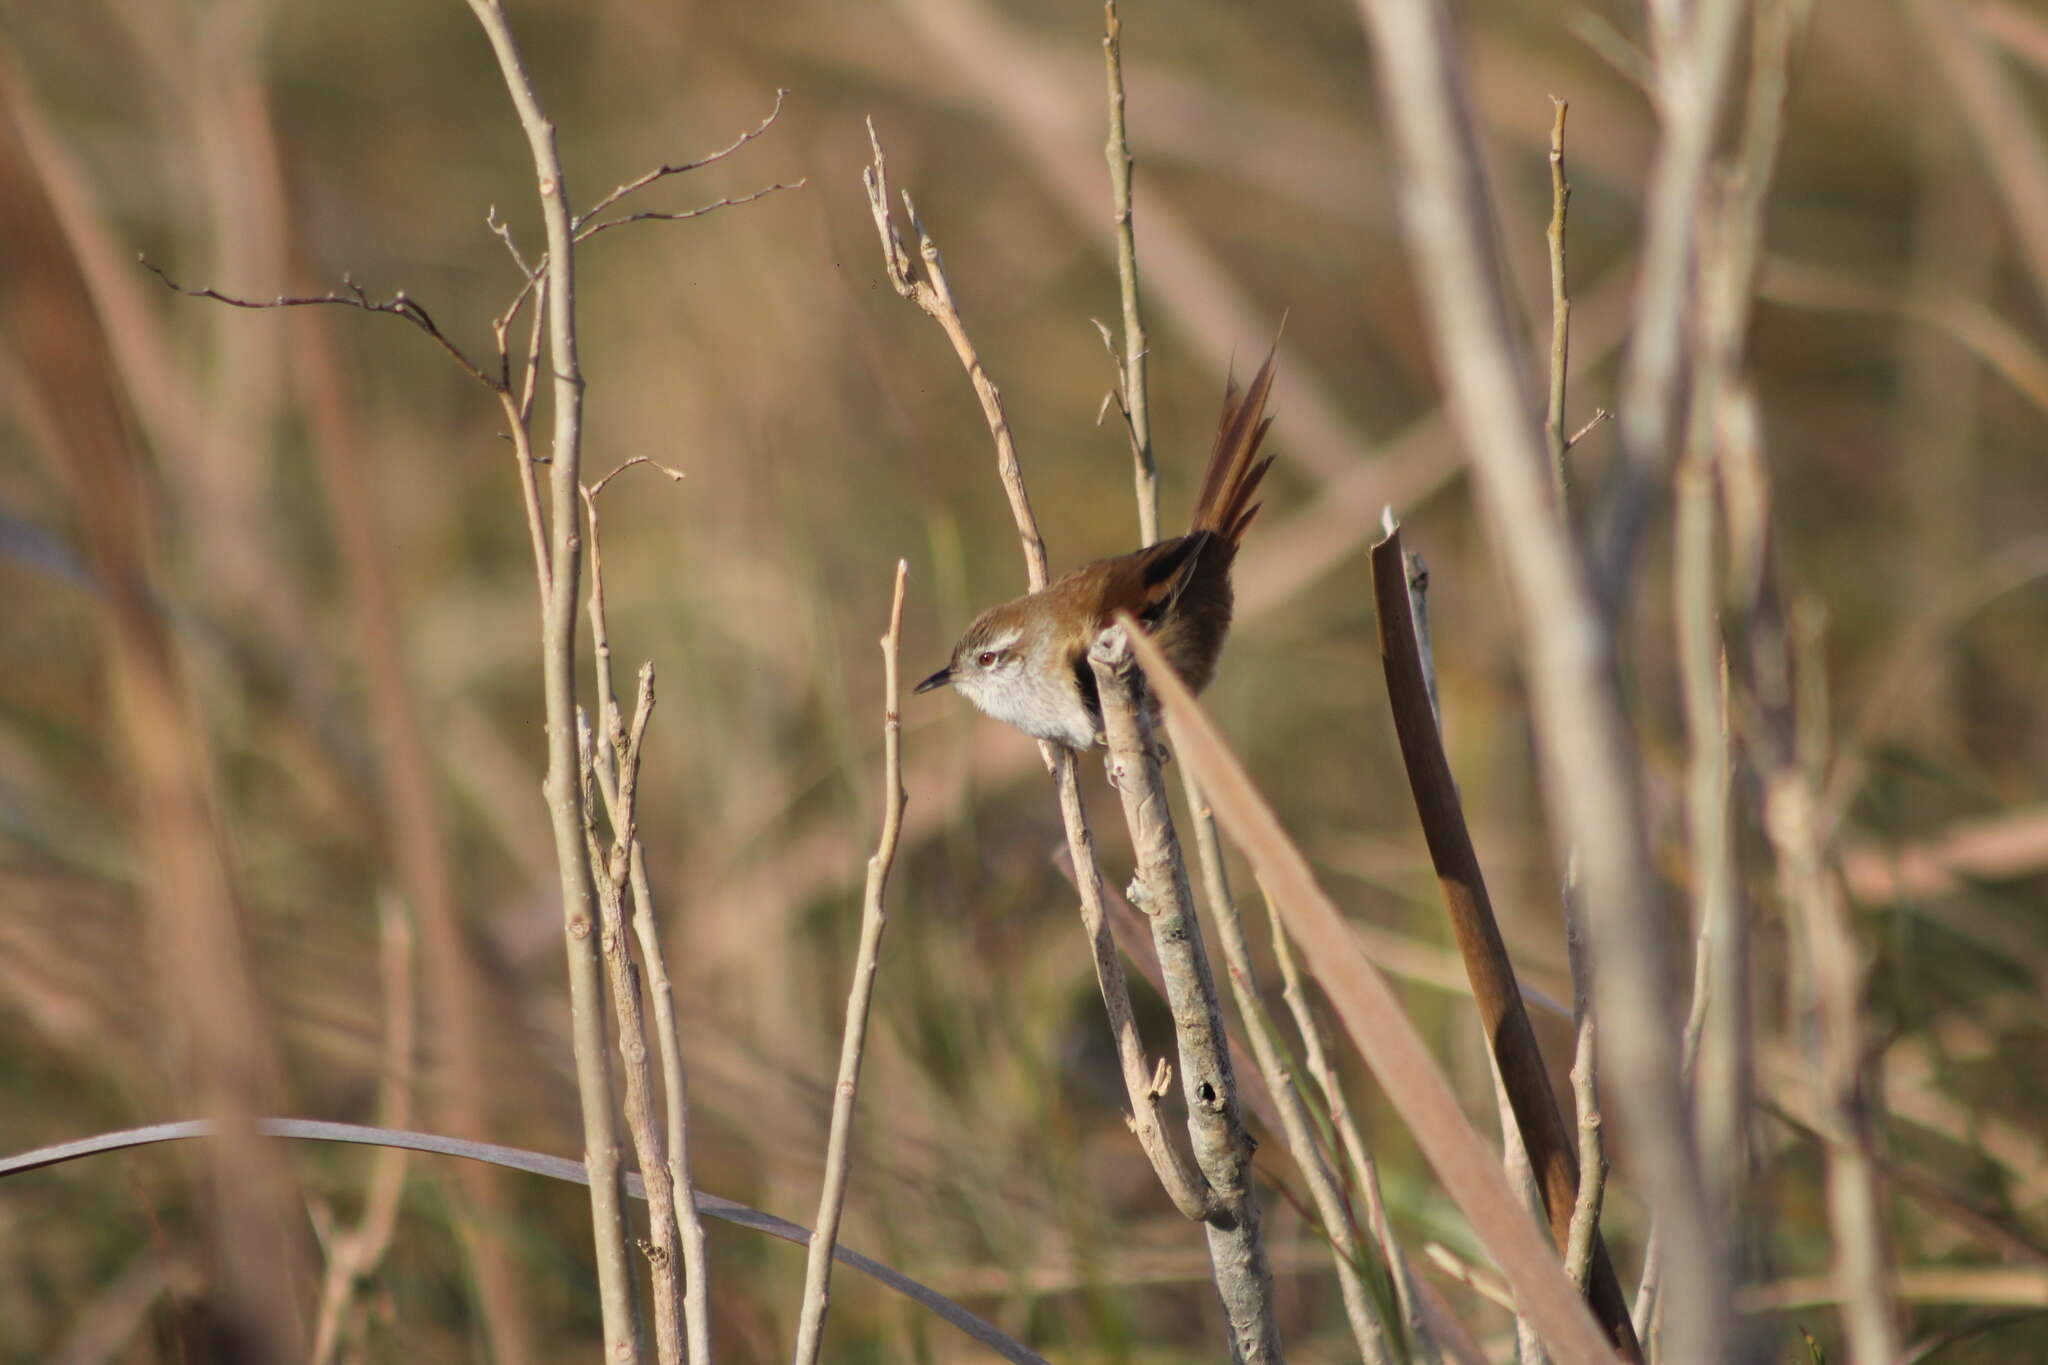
x=874 y=918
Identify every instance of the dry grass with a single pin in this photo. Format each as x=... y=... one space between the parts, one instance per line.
x=295 y=498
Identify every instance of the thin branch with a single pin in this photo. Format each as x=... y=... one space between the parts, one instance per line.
x=1560 y=305
x=682 y=168
x=1223 y=1150
x=1599 y=415
x=399 y=305
x=874 y=918
x=929 y=289
x=1136 y=405
x=502 y=230
x=1584 y=1232
x=584 y=234
x=590 y=493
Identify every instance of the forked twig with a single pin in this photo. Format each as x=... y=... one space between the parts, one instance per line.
x=584 y=234
x=399 y=305
x=659 y=172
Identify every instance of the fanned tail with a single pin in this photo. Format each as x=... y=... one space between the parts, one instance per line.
x=1225 y=504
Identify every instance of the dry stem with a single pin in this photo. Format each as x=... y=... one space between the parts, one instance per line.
x=1136 y=406
x=1587 y=754
x=558 y=648
x=1382 y=1031
x=874 y=918
x=1368 y=1331
x=612 y=764
x=1365 y=1173
x=609 y=876
x=1560 y=305
x=1223 y=1150
x=1550 y=1147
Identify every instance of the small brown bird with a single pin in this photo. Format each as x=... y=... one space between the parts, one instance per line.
x=1026 y=662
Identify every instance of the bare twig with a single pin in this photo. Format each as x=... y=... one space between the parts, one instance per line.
x=929 y=289
x=1382 y=1031
x=874 y=918
x=616 y=754
x=1560 y=305
x=663 y=1250
x=1588 y=762
x=682 y=168
x=1552 y=1152
x=1222 y=1148
x=1599 y=415
x=558 y=631
x=590 y=493
x=1136 y=404
x=399 y=305
x=1585 y=1222
x=696 y=1257
x=675 y=1090
x=502 y=230
x=586 y=233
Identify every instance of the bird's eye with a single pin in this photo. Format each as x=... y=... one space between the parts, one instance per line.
x=987 y=658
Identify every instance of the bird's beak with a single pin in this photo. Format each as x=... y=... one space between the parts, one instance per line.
x=938 y=679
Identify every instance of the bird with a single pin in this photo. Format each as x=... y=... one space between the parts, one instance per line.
x=1025 y=662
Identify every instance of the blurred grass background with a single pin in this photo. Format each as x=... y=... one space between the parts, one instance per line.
x=826 y=431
